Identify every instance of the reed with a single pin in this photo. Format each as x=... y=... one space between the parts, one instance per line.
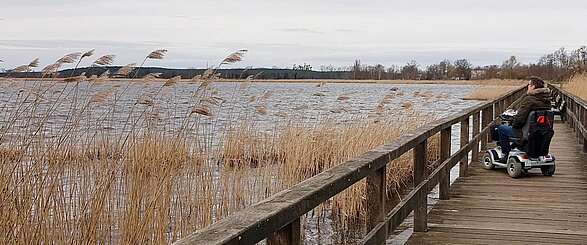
x=488 y=92
x=577 y=85
x=96 y=163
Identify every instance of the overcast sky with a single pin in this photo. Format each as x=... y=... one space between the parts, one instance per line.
x=282 y=33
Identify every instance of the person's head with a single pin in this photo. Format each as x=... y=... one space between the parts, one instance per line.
x=535 y=83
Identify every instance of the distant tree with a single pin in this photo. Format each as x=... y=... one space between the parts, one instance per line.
x=462 y=69
x=508 y=67
x=304 y=67
x=393 y=72
x=356 y=69
x=491 y=71
x=379 y=70
x=446 y=68
x=410 y=70
x=434 y=72
x=328 y=68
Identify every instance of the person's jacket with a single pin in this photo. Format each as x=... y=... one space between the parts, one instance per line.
x=537 y=99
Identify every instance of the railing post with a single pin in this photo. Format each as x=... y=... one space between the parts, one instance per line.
x=571 y=110
x=291 y=234
x=487 y=114
x=500 y=107
x=581 y=118
x=376 y=195
x=475 y=150
x=578 y=122
x=464 y=165
x=444 y=181
x=419 y=170
x=585 y=126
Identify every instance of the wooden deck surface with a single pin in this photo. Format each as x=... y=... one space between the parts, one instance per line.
x=489 y=207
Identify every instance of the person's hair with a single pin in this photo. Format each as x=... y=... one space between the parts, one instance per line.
x=537 y=82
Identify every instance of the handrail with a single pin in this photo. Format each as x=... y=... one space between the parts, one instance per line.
x=278 y=217
x=575 y=110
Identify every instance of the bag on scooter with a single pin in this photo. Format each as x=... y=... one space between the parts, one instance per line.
x=494 y=133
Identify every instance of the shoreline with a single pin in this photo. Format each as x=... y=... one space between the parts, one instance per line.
x=493 y=82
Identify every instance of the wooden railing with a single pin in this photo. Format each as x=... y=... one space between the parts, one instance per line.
x=574 y=112
x=277 y=218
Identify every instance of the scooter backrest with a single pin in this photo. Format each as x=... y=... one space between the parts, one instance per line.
x=538 y=132
x=538 y=119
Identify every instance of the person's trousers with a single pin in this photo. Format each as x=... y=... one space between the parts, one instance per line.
x=505 y=133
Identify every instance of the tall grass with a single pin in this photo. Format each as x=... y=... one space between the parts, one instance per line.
x=104 y=163
x=577 y=85
x=488 y=92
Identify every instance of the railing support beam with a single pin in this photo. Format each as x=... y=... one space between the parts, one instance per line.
x=464 y=165
x=581 y=118
x=444 y=181
x=420 y=212
x=584 y=126
x=289 y=235
x=376 y=194
x=475 y=150
x=485 y=120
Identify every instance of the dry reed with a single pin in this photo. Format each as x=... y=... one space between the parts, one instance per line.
x=577 y=85
x=488 y=92
x=74 y=170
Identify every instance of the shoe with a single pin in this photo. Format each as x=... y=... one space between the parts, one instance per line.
x=504 y=159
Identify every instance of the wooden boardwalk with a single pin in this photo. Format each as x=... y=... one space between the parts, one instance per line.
x=489 y=207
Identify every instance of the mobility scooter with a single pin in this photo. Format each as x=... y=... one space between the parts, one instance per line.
x=530 y=151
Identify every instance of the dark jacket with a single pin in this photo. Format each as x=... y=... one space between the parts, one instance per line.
x=537 y=99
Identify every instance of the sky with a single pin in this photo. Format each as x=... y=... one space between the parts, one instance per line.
x=282 y=33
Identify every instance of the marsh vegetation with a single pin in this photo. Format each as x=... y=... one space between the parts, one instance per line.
x=89 y=160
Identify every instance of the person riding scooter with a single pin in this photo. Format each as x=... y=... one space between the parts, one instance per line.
x=537 y=98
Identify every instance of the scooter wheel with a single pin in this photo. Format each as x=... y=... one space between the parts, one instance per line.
x=487 y=162
x=548 y=170
x=514 y=168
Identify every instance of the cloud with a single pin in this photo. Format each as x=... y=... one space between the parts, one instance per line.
x=287 y=32
x=345 y=30
x=301 y=30
x=77 y=44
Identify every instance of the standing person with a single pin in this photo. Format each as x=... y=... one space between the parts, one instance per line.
x=537 y=98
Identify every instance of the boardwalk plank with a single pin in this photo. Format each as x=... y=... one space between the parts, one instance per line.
x=488 y=207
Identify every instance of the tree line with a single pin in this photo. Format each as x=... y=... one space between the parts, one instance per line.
x=558 y=65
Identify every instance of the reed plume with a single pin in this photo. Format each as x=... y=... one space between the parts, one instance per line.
x=152 y=75
x=88 y=53
x=25 y=68
x=125 y=70
x=172 y=81
x=104 y=60
x=234 y=57
x=21 y=68
x=34 y=63
x=157 y=54
x=69 y=58
x=50 y=69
